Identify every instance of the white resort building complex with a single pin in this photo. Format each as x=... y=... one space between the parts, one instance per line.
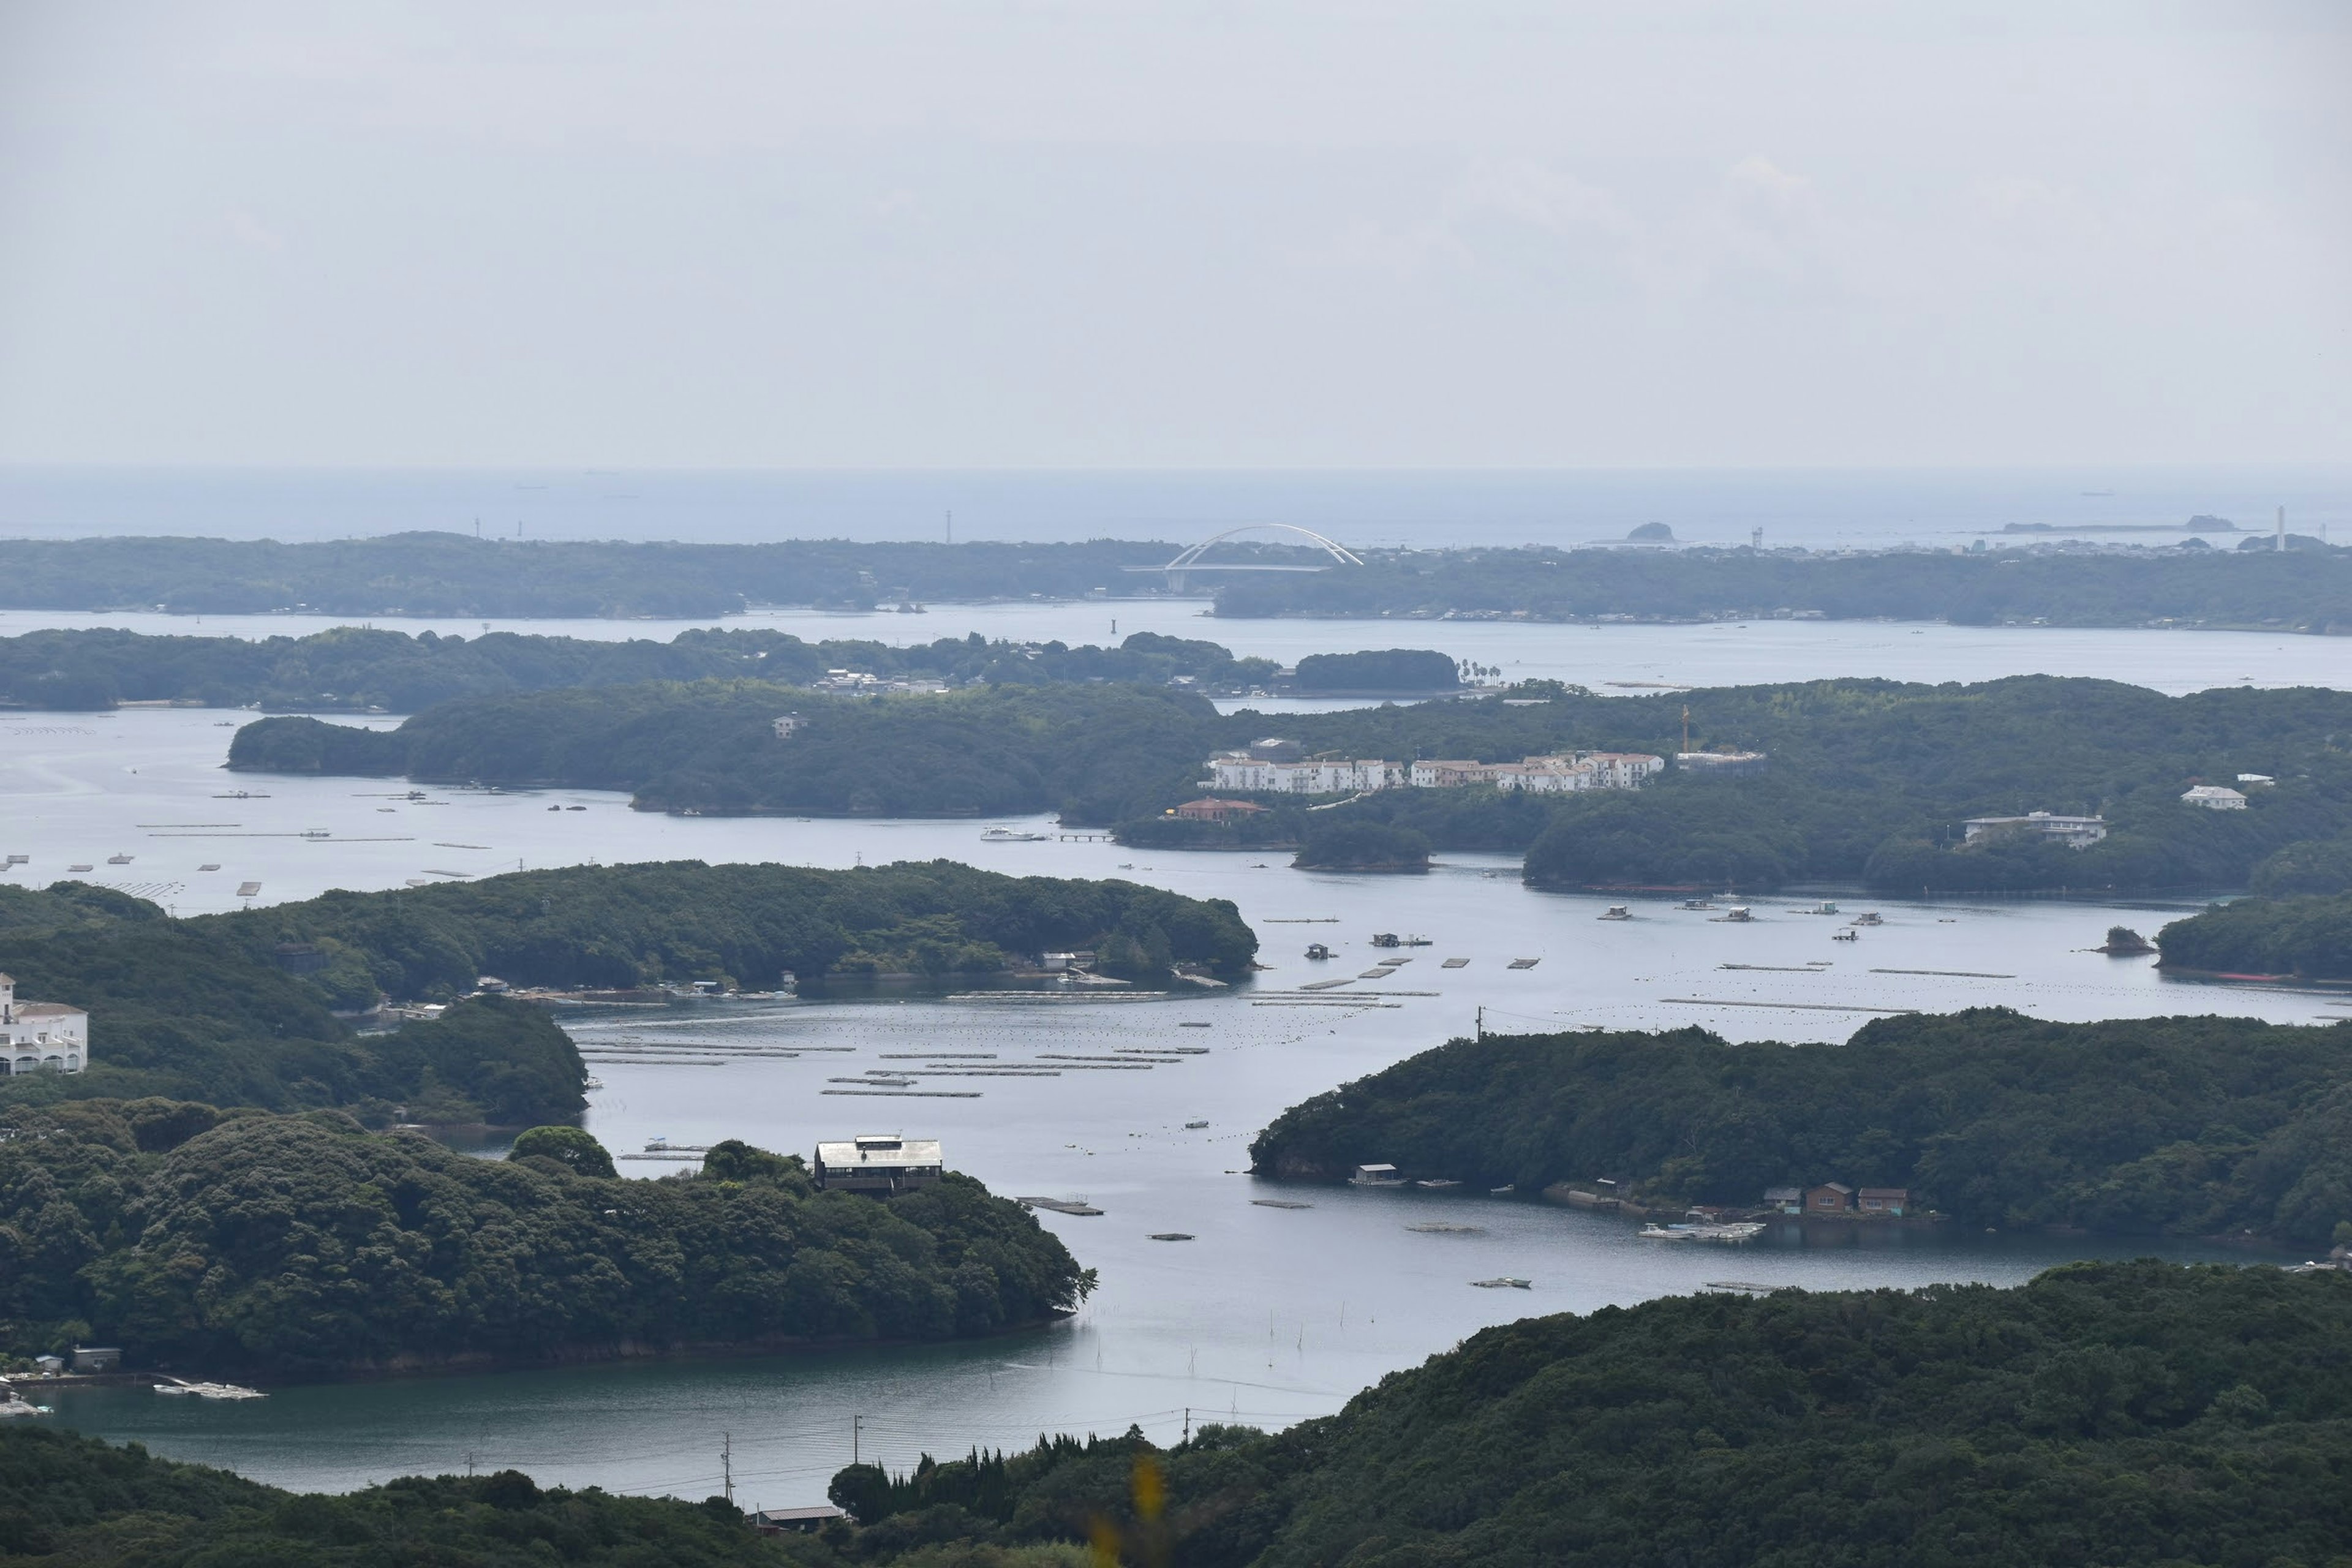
x=37 y=1035
x=1266 y=769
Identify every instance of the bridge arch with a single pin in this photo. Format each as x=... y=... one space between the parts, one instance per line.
x=1337 y=550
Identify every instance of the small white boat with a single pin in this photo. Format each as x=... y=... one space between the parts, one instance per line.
x=1696 y=904
x=1011 y=835
x=15 y=1405
x=1439 y=1182
x=1615 y=912
x=1867 y=918
x=118 y=859
x=1737 y=914
x=1822 y=908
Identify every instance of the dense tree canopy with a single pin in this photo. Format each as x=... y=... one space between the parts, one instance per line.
x=206 y=1009
x=2309 y=937
x=358 y=669
x=2127 y=1414
x=179 y=1008
x=2184 y=1126
x=2187 y=585
x=304 y=1245
x=1863 y=781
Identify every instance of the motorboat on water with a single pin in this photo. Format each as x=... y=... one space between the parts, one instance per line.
x=1823 y=907
x=1318 y=951
x=1741 y=1230
x=1012 y=835
x=1737 y=914
x=1696 y=904
x=1867 y=918
x=1615 y=912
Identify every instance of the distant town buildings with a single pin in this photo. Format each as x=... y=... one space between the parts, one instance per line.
x=858 y=683
x=2075 y=832
x=41 y=1036
x=1264 y=769
x=879 y=1163
x=2215 y=797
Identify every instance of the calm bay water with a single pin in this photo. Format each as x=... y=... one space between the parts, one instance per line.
x=1268 y=1315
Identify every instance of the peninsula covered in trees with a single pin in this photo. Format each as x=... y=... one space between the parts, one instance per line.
x=2309 y=938
x=2137 y=1414
x=1861 y=781
x=306 y=1245
x=2184 y=1126
x=2191 y=584
x=359 y=670
x=242 y=1008
x=2307 y=589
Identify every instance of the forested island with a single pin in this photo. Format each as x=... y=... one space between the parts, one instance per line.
x=2183 y=1126
x=2137 y=1414
x=2307 y=589
x=359 y=670
x=306 y=1245
x=1860 y=782
x=242 y=1008
x=2307 y=938
x=2189 y=584
x=428 y=573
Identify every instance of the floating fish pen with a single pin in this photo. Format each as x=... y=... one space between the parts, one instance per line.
x=1059 y=1205
x=1280 y=1203
x=1525 y=962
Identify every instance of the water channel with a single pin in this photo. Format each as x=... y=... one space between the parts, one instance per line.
x=1269 y=1314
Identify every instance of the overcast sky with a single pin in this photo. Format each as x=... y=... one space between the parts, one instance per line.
x=1219 y=234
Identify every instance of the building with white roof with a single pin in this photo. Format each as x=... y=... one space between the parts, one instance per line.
x=880 y=1163
x=2215 y=797
x=2075 y=832
x=36 y=1036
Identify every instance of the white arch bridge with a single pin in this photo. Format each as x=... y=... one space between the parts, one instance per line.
x=1188 y=560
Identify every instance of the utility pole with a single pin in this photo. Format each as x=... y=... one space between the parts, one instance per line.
x=1481 y=1028
x=1188 y=1423
x=856 y=1430
x=471 y=1456
x=726 y=1462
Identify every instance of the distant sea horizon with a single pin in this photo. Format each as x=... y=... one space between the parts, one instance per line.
x=1423 y=509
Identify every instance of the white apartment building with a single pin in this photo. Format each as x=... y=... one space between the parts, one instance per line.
x=2215 y=797
x=1312 y=775
x=1242 y=772
x=35 y=1036
x=2075 y=832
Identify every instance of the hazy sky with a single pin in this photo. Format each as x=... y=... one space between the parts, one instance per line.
x=1276 y=233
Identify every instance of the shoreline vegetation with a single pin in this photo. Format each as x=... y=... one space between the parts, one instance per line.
x=2134 y=1414
x=305 y=1246
x=1859 y=781
x=259 y=1007
x=2303 y=938
x=2181 y=1126
x=361 y=670
x=2191 y=584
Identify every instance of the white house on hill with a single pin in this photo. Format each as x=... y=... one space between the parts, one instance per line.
x=37 y=1035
